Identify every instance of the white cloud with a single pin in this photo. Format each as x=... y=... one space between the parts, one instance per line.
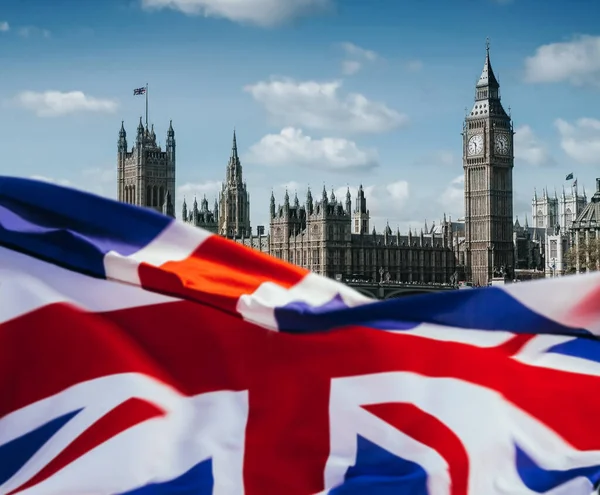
x=350 y=67
x=257 y=12
x=452 y=199
x=581 y=140
x=529 y=149
x=576 y=61
x=27 y=31
x=319 y=106
x=384 y=202
x=59 y=182
x=292 y=147
x=414 y=66
x=191 y=190
x=57 y=103
x=356 y=51
x=4 y=26
x=356 y=57
x=291 y=187
x=101 y=180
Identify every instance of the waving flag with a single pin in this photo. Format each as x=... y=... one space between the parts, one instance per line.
x=142 y=356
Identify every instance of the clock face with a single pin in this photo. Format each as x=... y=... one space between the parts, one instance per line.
x=501 y=144
x=475 y=146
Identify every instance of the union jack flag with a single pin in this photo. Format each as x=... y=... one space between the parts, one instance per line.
x=139 y=91
x=142 y=356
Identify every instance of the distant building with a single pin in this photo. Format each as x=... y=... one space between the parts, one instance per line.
x=548 y=211
x=529 y=246
x=146 y=174
x=585 y=233
x=553 y=218
x=318 y=236
x=230 y=215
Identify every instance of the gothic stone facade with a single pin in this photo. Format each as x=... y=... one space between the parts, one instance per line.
x=230 y=216
x=554 y=217
x=146 y=174
x=585 y=235
x=327 y=238
x=488 y=163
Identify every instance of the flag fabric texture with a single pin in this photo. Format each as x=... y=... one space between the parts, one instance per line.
x=139 y=91
x=142 y=356
x=569 y=176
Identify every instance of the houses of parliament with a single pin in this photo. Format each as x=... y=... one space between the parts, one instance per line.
x=332 y=236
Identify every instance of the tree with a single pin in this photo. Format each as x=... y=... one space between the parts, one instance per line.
x=588 y=253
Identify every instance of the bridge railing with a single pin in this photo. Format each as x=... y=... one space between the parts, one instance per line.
x=395 y=283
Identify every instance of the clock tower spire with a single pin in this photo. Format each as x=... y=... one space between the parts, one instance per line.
x=488 y=161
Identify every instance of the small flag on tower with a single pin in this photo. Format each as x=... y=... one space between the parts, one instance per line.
x=568 y=177
x=139 y=91
x=575 y=183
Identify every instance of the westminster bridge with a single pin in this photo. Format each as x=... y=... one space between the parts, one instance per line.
x=392 y=289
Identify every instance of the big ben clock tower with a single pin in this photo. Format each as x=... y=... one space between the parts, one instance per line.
x=488 y=160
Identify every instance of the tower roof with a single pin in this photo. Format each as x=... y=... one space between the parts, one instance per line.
x=487 y=78
x=234 y=150
x=487 y=93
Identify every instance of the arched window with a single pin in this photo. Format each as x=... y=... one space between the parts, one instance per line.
x=161 y=197
x=568 y=217
x=149 y=196
x=155 y=197
x=540 y=219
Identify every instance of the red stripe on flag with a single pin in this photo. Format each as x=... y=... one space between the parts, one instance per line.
x=430 y=431
x=218 y=273
x=130 y=413
x=198 y=349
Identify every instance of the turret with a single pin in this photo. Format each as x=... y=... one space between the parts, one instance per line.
x=360 y=217
x=122 y=143
x=348 y=202
x=184 y=212
x=216 y=210
x=139 y=139
x=324 y=196
x=195 y=212
x=167 y=207
x=272 y=209
x=170 y=144
x=234 y=168
x=332 y=198
x=296 y=201
x=309 y=202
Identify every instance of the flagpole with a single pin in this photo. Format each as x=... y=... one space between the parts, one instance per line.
x=146 y=105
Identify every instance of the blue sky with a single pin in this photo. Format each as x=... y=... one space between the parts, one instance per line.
x=340 y=92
